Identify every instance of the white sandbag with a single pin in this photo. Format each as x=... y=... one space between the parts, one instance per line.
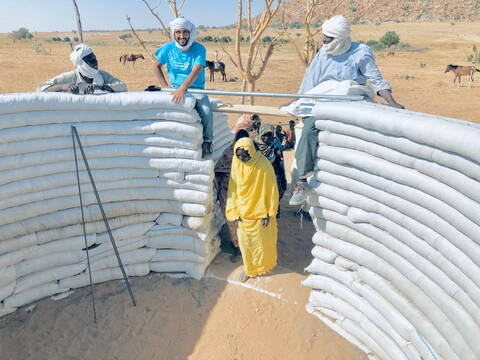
x=427 y=209
x=103 y=275
x=345 y=264
x=172 y=175
x=177 y=256
x=199 y=178
x=200 y=224
x=157 y=183
x=457 y=335
x=335 y=327
x=143 y=255
x=446 y=244
x=46 y=262
x=377 y=330
x=180 y=231
x=436 y=198
x=395 y=317
x=148 y=128
x=97 y=152
x=123 y=247
x=173 y=242
x=19 y=213
x=187 y=165
x=33 y=294
x=47 y=276
x=409 y=238
x=7 y=274
x=65 y=142
x=4 y=311
x=194 y=270
x=467 y=207
x=455 y=179
x=49 y=182
x=92 y=214
x=7 y=290
x=73 y=231
x=404 y=145
x=169 y=219
x=14 y=103
x=79 y=118
x=324 y=254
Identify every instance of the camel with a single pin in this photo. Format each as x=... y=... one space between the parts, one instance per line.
x=131 y=57
x=460 y=71
x=220 y=67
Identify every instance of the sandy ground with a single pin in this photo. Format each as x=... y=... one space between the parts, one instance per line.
x=218 y=318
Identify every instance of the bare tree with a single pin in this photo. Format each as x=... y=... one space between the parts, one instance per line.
x=142 y=43
x=254 y=66
x=79 y=22
x=159 y=19
x=309 y=11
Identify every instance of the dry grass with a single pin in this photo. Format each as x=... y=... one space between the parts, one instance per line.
x=23 y=69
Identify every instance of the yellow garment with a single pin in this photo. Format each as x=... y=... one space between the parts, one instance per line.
x=252 y=190
x=253 y=196
x=258 y=245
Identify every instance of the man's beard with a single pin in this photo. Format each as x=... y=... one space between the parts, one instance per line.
x=185 y=40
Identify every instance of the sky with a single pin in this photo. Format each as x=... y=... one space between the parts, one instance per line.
x=59 y=15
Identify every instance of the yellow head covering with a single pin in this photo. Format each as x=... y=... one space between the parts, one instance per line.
x=252 y=190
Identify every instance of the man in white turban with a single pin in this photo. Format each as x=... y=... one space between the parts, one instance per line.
x=338 y=59
x=86 y=78
x=185 y=60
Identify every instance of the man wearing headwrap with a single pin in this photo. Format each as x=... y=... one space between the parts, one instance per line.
x=86 y=78
x=185 y=60
x=339 y=59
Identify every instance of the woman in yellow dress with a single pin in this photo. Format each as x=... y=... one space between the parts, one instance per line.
x=253 y=203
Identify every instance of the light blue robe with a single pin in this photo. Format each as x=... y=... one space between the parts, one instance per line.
x=357 y=64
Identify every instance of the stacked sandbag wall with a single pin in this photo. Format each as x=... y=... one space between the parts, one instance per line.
x=396 y=204
x=157 y=191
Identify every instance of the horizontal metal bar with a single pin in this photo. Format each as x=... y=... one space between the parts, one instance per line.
x=278 y=95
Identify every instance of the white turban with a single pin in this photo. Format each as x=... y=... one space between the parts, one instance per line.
x=337 y=27
x=77 y=55
x=182 y=23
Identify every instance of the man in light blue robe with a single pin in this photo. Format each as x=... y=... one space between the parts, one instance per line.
x=339 y=59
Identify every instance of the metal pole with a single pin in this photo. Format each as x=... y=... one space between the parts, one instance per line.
x=278 y=95
x=84 y=229
x=74 y=130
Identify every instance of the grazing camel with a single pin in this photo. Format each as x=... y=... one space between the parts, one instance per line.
x=220 y=67
x=460 y=71
x=131 y=57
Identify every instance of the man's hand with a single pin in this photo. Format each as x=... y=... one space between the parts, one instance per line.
x=387 y=95
x=266 y=221
x=178 y=95
x=107 y=88
x=90 y=88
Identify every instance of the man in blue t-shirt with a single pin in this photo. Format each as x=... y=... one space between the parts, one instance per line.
x=185 y=60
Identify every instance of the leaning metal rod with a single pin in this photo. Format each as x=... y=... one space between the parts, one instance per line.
x=84 y=229
x=278 y=95
x=74 y=130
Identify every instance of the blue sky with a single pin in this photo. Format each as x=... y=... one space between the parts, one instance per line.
x=53 y=15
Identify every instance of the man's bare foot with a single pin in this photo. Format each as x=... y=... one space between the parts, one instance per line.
x=243 y=277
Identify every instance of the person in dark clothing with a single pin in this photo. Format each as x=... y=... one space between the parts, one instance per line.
x=271 y=148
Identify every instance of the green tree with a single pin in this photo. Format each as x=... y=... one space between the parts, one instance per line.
x=390 y=38
x=21 y=34
x=126 y=36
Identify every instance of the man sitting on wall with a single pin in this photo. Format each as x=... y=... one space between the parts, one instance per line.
x=185 y=59
x=86 y=78
x=339 y=59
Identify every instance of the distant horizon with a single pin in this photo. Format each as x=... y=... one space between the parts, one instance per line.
x=54 y=16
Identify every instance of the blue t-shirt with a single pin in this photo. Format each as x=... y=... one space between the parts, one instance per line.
x=180 y=63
